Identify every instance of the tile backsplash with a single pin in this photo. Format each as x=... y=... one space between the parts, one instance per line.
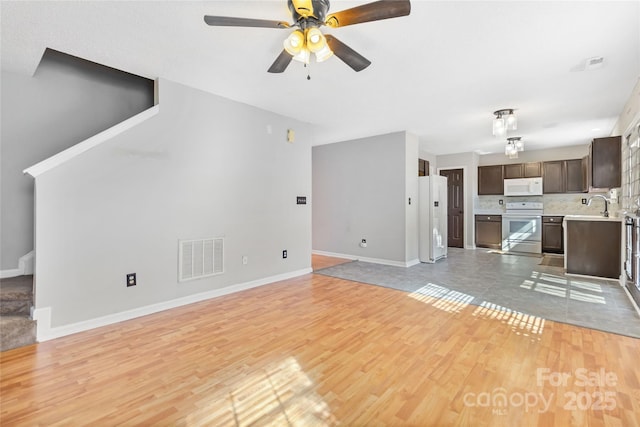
x=554 y=204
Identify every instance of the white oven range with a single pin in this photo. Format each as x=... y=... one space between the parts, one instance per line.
x=522 y=227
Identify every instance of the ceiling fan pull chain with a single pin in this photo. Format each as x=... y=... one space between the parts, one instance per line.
x=307 y=66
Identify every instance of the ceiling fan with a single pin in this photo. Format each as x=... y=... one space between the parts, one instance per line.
x=309 y=16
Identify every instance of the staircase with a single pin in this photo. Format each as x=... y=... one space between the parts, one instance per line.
x=16 y=298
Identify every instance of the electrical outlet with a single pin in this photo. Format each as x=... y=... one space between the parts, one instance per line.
x=584 y=201
x=500 y=202
x=131 y=279
x=363 y=243
x=284 y=253
x=245 y=260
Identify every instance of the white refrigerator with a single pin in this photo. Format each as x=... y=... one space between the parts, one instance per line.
x=432 y=217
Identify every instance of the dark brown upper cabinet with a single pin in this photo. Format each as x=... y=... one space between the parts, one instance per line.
x=575 y=176
x=553 y=177
x=564 y=176
x=523 y=170
x=490 y=180
x=605 y=161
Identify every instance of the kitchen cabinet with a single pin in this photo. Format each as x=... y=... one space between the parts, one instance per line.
x=553 y=177
x=523 y=170
x=552 y=234
x=592 y=247
x=575 y=176
x=605 y=161
x=490 y=180
x=564 y=176
x=489 y=231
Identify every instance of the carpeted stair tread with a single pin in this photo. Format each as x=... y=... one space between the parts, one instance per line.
x=16 y=299
x=16 y=288
x=16 y=331
x=16 y=308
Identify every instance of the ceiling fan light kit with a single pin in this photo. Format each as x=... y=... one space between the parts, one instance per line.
x=300 y=45
x=309 y=16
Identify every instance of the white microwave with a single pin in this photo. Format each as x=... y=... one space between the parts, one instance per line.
x=523 y=187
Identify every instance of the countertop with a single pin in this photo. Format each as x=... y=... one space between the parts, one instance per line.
x=591 y=218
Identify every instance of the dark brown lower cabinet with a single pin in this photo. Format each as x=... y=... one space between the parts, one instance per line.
x=552 y=235
x=489 y=231
x=593 y=248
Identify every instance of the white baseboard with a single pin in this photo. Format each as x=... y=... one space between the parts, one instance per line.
x=335 y=255
x=43 y=315
x=412 y=262
x=26 y=263
x=10 y=273
x=366 y=259
x=25 y=266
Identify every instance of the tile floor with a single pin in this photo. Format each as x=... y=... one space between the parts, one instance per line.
x=513 y=282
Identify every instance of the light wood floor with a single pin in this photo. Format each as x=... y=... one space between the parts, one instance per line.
x=319 y=262
x=321 y=351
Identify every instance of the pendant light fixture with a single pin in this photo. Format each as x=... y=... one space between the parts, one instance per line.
x=514 y=145
x=504 y=121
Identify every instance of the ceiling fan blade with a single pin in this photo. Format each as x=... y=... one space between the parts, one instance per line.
x=281 y=63
x=349 y=56
x=382 y=9
x=228 y=21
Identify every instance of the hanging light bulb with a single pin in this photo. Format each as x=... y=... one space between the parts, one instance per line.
x=317 y=43
x=315 y=39
x=294 y=44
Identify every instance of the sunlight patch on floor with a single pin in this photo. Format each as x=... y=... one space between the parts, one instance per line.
x=521 y=323
x=442 y=298
x=281 y=394
x=593 y=287
x=551 y=284
x=582 y=296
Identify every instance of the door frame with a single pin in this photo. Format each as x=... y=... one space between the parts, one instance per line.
x=469 y=243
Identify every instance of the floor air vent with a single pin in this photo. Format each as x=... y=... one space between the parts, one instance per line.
x=200 y=258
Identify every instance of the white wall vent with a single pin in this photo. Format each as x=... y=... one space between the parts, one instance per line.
x=200 y=258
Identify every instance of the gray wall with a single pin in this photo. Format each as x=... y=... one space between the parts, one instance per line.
x=204 y=166
x=360 y=192
x=65 y=102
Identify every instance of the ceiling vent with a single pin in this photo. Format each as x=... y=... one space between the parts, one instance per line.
x=589 y=64
x=594 y=63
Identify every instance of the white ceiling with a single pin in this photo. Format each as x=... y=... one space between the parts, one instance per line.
x=438 y=73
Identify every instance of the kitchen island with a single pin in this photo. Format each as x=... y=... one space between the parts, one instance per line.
x=593 y=245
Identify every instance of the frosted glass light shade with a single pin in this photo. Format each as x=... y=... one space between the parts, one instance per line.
x=499 y=126
x=294 y=44
x=302 y=56
x=511 y=121
x=324 y=54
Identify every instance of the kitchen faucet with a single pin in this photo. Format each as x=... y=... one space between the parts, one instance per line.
x=606 y=204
